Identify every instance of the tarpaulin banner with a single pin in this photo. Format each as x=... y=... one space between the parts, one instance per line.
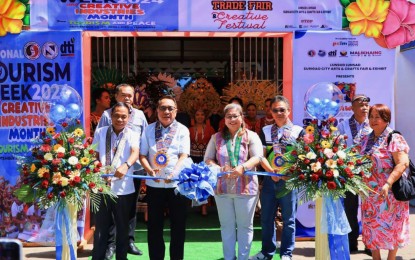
x=33 y=66
x=262 y=16
x=356 y=64
x=113 y=15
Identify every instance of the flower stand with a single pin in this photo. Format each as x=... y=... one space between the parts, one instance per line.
x=322 y=245
x=66 y=232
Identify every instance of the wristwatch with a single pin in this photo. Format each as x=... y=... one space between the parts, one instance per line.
x=128 y=165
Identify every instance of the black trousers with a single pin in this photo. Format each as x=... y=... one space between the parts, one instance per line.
x=351 y=206
x=158 y=199
x=109 y=212
x=132 y=222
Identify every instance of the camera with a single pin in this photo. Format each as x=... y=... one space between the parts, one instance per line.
x=10 y=249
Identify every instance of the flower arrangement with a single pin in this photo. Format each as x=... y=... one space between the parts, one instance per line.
x=61 y=168
x=320 y=164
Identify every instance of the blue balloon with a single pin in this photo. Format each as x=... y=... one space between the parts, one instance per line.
x=73 y=111
x=66 y=95
x=333 y=108
x=325 y=102
x=314 y=106
x=57 y=113
x=320 y=100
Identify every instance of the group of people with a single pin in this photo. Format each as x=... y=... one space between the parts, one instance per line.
x=385 y=221
x=125 y=142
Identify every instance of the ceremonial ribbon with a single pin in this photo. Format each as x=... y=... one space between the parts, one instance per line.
x=220 y=174
x=195 y=181
x=62 y=221
x=334 y=223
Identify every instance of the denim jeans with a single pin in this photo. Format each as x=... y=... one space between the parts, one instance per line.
x=268 y=211
x=288 y=205
x=270 y=203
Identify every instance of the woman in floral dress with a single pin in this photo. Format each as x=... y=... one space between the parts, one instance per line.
x=385 y=220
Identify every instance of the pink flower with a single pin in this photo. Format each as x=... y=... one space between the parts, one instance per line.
x=328 y=153
x=45 y=148
x=308 y=138
x=399 y=26
x=325 y=134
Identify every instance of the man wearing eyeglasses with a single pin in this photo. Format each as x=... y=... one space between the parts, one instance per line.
x=355 y=128
x=276 y=139
x=165 y=144
x=137 y=122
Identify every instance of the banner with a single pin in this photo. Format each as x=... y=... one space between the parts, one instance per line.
x=262 y=16
x=356 y=64
x=113 y=15
x=32 y=66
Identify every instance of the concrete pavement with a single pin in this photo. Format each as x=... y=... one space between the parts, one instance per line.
x=303 y=250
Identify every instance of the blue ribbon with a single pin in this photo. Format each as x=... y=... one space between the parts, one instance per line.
x=271 y=174
x=145 y=177
x=196 y=181
x=219 y=174
x=335 y=224
x=62 y=220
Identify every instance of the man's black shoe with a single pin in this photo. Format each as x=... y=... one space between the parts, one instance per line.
x=353 y=250
x=132 y=249
x=109 y=253
x=368 y=251
x=353 y=247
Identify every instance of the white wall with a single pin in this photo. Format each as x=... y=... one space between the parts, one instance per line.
x=405 y=97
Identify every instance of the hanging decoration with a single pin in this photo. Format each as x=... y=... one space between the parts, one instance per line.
x=390 y=23
x=251 y=91
x=200 y=94
x=107 y=78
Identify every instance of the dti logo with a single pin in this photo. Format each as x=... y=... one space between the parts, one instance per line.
x=68 y=48
x=332 y=53
x=31 y=50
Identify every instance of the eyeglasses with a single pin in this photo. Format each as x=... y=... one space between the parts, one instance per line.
x=169 y=108
x=230 y=117
x=278 y=110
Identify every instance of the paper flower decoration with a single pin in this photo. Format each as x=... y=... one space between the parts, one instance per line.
x=11 y=13
x=367 y=16
x=399 y=26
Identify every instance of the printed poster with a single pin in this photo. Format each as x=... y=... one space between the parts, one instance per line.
x=356 y=64
x=32 y=65
x=113 y=15
x=262 y=16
